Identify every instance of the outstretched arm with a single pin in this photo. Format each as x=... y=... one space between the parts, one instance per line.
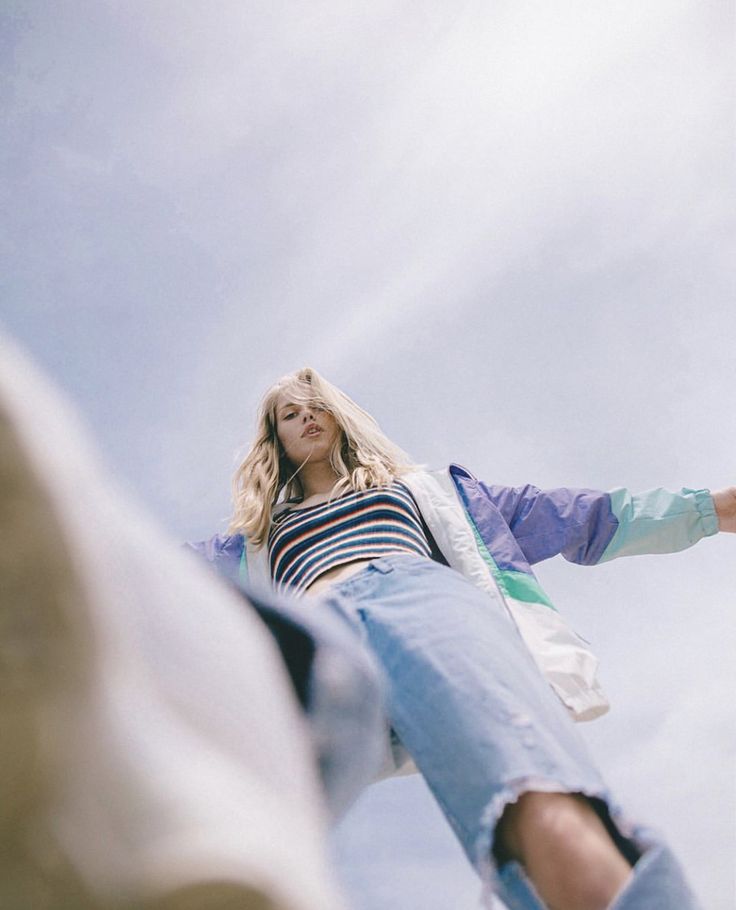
x=725 y=505
x=590 y=526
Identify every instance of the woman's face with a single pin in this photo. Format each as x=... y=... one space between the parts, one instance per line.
x=306 y=431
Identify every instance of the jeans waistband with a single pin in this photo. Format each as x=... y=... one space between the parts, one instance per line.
x=382 y=564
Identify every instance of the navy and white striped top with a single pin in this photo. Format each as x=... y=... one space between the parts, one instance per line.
x=305 y=543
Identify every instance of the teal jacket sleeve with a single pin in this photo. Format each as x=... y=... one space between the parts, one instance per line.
x=659 y=521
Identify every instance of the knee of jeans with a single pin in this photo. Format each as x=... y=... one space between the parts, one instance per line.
x=554 y=818
x=496 y=863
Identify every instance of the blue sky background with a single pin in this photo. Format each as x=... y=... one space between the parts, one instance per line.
x=505 y=228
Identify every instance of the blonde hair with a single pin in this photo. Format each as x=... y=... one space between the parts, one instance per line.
x=362 y=456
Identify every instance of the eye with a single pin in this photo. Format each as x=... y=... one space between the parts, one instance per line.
x=288 y=415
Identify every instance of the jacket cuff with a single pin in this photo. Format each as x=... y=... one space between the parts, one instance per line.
x=706 y=507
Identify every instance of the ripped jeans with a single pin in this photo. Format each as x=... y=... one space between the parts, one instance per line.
x=479 y=720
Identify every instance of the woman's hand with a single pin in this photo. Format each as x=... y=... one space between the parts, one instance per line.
x=725 y=503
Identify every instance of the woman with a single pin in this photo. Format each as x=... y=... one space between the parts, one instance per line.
x=435 y=573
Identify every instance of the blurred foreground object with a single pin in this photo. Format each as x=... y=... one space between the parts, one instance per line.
x=152 y=752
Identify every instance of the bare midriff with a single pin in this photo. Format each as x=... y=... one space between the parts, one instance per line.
x=341 y=572
x=335 y=574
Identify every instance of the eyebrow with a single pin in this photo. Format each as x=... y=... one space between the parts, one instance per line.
x=286 y=406
x=295 y=404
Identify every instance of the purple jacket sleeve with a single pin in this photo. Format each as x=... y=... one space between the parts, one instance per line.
x=222 y=551
x=578 y=523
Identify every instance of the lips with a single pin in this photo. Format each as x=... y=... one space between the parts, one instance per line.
x=312 y=430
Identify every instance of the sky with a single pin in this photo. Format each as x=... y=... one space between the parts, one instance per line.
x=506 y=229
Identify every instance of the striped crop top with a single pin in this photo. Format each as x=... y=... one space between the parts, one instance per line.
x=305 y=543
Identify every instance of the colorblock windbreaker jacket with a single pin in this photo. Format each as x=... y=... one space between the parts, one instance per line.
x=493 y=535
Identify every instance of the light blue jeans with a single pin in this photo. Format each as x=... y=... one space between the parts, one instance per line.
x=481 y=723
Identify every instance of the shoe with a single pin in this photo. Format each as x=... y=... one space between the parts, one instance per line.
x=44 y=663
x=152 y=754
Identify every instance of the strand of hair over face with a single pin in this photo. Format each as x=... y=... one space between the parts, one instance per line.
x=363 y=456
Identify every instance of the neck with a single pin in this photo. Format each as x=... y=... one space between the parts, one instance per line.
x=317 y=479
